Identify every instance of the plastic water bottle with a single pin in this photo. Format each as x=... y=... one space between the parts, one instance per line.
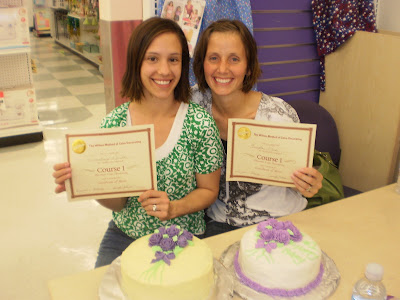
x=370 y=287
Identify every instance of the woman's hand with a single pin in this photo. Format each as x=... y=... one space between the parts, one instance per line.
x=157 y=204
x=308 y=181
x=61 y=173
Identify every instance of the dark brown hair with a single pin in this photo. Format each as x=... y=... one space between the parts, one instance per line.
x=249 y=43
x=140 y=40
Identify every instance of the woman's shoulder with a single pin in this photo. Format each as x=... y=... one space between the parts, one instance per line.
x=198 y=111
x=116 y=116
x=203 y=99
x=277 y=108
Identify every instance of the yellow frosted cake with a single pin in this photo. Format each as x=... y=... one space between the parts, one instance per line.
x=170 y=264
x=277 y=259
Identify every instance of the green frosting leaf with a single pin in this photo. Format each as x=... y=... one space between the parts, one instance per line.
x=178 y=250
x=157 y=248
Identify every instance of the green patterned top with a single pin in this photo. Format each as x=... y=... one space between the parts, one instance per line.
x=196 y=149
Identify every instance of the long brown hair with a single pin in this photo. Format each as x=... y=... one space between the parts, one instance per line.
x=140 y=40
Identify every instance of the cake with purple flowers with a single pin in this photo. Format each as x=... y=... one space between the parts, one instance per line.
x=277 y=259
x=169 y=264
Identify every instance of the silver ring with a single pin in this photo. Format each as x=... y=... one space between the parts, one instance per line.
x=309 y=189
x=154 y=207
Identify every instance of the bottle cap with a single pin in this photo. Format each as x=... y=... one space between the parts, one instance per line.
x=374 y=272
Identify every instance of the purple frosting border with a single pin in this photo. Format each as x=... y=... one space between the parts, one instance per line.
x=277 y=292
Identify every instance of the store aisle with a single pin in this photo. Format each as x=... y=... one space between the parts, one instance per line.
x=43 y=235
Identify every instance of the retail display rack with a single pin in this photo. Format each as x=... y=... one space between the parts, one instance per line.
x=19 y=122
x=75 y=25
x=41 y=18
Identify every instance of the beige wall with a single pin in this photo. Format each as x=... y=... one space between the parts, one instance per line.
x=363 y=95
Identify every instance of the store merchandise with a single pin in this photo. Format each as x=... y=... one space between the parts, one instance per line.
x=370 y=287
x=18 y=108
x=14 y=28
x=277 y=259
x=169 y=264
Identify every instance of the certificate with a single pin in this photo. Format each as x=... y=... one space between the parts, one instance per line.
x=268 y=152
x=111 y=162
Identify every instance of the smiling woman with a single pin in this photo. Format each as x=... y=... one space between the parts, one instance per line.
x=188 y=149
x=226 y=67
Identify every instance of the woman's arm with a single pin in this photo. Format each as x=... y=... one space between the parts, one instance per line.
x=115 y=204
x=202 y=197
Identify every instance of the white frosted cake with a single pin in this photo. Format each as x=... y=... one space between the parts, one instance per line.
x=169 y=264
x=275 y=258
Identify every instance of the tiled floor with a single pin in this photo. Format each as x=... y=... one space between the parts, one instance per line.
x=43 y=235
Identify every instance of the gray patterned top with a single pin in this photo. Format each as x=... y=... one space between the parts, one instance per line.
x=244 y=203
x=197 y=150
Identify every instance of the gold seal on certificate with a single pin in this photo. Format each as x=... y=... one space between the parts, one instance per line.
x=268 y=152
x=78 y=146
x=111 y=162
x=244 y=133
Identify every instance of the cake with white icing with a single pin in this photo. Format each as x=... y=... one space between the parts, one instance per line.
x=169 y=264
x=277 y=259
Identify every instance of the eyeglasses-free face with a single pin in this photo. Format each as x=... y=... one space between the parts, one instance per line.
x=161 y=67
x=225 y=64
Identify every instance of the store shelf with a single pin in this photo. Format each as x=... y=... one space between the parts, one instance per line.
x=77 y=33
x=90 y=57
x=23 y=138
x=19 y=122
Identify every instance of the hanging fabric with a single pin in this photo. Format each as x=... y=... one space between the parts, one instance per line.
x=336 y=21
x=221 y=9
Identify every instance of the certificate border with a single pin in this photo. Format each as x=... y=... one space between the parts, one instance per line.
x=236 y=123
x=69 y=136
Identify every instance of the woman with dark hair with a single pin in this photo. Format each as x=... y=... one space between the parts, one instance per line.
x=226 y=68
x=188 y=149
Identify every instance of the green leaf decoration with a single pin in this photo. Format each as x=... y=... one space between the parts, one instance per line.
x=157 y=248
x=178 y=250
x=175 y=238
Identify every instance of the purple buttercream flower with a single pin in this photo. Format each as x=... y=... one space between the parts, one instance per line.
x=182 y=241
x=155 y=239
x=167 y=244
x=269 y=247
x=165 y=257
x=282 y=236
x=162 y=230
x=261 y=226
x=188 y=235
x=171 y=231
x=297 y=236
x=260 y=243
x=288 y=224
x=271 y=222
x=280 y=225
x=267 y=235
